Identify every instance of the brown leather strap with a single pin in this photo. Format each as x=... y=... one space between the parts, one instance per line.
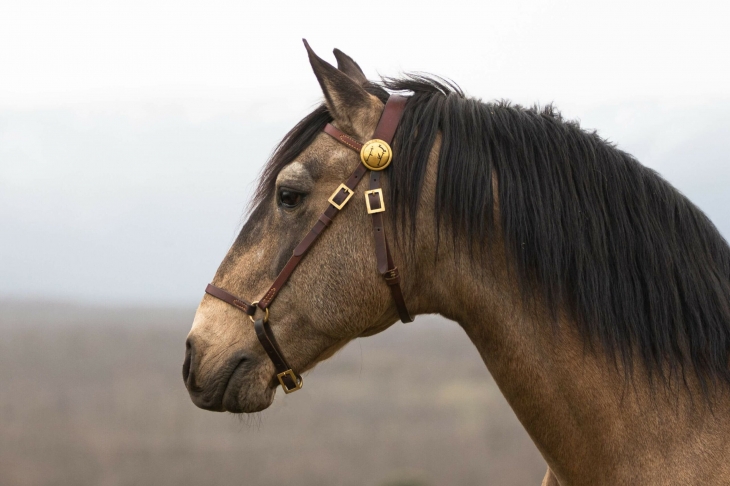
x=268 y=341
x=343 y=137
x=221 y=294
x=384 y=131
x=390 y=118
x=386 y=267
x=324 y=220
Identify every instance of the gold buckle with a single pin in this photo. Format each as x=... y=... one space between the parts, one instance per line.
x=347 y=190
x=379 y=192
x=290 y=374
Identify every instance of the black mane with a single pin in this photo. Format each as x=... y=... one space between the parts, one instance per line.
x=636 y=265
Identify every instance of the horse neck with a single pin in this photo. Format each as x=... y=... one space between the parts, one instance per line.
x=585 y=417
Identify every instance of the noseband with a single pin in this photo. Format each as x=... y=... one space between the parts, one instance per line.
x=375 y=156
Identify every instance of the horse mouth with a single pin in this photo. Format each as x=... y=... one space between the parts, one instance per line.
x=243 y=393
x=211 y=397
x=234 y=383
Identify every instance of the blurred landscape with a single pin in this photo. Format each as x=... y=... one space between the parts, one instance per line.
x=94 y=396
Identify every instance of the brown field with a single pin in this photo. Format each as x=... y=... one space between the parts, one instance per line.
x=94 y=396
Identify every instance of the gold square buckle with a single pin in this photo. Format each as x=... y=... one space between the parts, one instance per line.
x=297 y=381
x=379 y=192
x=347 y=190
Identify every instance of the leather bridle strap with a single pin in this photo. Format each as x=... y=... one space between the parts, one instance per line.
x=221 y=294
x=337 y=201
x=385 y=130
x=342 y=137
x=375 y=202
x=386 y=267
x=376 y=207
x=288 y=379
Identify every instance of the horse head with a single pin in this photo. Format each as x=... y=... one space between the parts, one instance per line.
x=335 y=294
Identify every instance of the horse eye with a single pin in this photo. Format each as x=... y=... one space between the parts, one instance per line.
x=290 y=199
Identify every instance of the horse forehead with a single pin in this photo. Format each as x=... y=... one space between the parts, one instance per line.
x=296 y=172
x=324 y=158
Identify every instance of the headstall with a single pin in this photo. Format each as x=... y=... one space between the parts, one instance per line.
x=375 y=156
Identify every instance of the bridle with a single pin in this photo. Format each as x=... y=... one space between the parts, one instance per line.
x=375 y=156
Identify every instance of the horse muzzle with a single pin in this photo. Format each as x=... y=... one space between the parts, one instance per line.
x=229 y=384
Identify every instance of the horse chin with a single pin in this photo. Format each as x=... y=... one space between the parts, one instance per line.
x=244 y=395
x=250 y=403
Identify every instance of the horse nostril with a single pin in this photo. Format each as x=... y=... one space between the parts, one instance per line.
x=189 y=352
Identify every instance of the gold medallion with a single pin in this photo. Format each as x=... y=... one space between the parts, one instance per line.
x=376 y=154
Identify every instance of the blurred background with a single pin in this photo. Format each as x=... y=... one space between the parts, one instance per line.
x=131 y=137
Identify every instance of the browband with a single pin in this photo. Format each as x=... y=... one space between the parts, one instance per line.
x=375 y=156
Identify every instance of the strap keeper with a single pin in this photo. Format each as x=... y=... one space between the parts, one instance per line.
x=392 y=276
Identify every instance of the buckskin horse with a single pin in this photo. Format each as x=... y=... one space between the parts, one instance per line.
x=597 y=295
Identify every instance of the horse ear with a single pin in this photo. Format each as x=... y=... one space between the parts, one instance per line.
x=348 y=66
x=350 y=105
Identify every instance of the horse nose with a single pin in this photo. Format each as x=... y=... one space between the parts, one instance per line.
x=207 y=392
x=189 y=378
x=206 y=399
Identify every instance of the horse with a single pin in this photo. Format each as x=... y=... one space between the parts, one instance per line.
x=597 y=295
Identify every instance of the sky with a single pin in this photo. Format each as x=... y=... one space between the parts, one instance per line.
x=132 y=133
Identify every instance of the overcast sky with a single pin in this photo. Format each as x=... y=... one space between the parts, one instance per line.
x=131 y=133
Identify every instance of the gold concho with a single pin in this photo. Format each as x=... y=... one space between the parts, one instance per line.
x=376 y=154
